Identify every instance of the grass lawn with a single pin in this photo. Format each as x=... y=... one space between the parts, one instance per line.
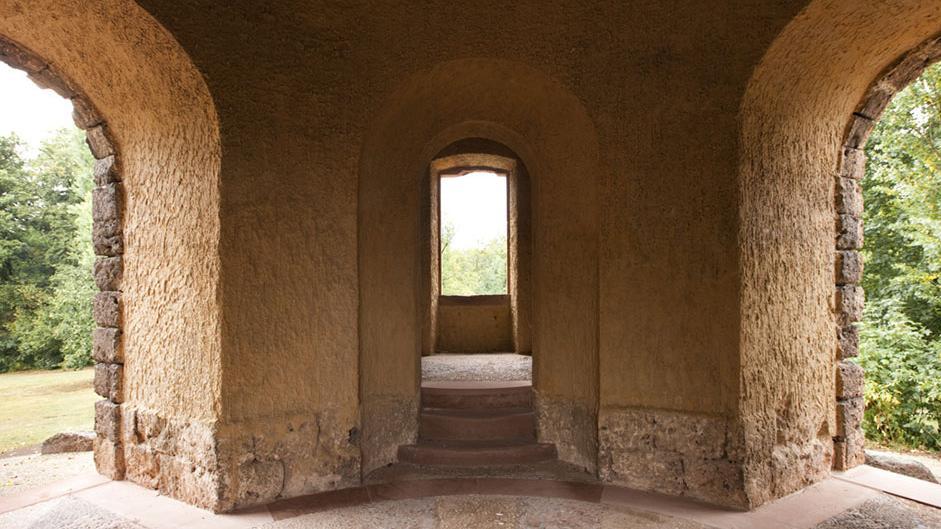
x=37 y=404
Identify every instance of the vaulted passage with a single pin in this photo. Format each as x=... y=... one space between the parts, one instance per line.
x=671 y=224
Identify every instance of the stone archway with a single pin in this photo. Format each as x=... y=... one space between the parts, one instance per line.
x=800 y=403
x=152 y=126
x=555 y=138
x=108 y=241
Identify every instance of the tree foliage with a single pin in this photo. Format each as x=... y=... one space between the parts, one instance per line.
x=475 y=271
x=45 y=253
x=900 y=337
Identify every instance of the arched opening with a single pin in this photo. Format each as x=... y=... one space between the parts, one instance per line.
x=849 y=439
x=152 y=127
x=800 y=402
x=556 y=139
x=492 y=314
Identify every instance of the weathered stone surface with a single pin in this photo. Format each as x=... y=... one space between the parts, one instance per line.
x=571 y=427
x=849 y=417
x=108 y=420
x=849 y=267
x=849 y=197
x=260 y=481
x=107 y=203
x=876 y=99
x=69 y=442
x=655 y=471
x=715 y=480
x=106 y=309
x=899 y=465
x=14 y=56
x=859 y=130
x=109 y=458
x=51 y=80
x=143 y=465
x=849 y=303
x=99 y=142
x=849 y=380
x=388 y=423
x=84 y=113
x=882 y=512
x=106 y=345
x=109 y=272
x=670 y=452
x=107 y=171
x=107 y=238
x=854 y=163
x=848 y=338
x=849 y=230
x=109 y=381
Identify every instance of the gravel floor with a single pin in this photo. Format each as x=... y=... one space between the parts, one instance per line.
x=483 y=367
x=65 y=513
x=27 y=472
x=460 y=512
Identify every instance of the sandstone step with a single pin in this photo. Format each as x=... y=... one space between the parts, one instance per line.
x=511 y=424
x=477 y=395
x=476 y=455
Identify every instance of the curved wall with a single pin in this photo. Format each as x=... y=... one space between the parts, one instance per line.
x=795 y=116
x=550 y=130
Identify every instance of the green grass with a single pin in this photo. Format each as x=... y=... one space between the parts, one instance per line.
x=37 y=404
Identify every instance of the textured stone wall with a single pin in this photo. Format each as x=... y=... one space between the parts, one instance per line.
x=799 y=204
x=108 y=241
x=674 y=453
x=849 y=438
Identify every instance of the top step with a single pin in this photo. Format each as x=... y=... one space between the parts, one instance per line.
x=468 y=395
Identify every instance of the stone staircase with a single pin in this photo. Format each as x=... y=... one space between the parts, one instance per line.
x=476 y=424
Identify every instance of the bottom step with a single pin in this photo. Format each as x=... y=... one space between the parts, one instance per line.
x=477 y=456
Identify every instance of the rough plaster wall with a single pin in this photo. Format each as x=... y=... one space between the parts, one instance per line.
x=163 y=121
x=475 y=326
x=559 y=143
x=794 y=117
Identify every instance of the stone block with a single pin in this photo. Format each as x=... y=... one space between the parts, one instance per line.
x=850 y=381
x=106 y=346
x=108 y=420
x=109 y=458
x=107 y=238
x=260 y=482
x=143 y=465
x=716 y=481
x=107 y=203
x=99 y=142
x=849 y=197
x=849 y=303
x=848 y=336
x=109 y=273
x=853 y=164
x=849 y=267
x=655 y=471
x=876 y=99
x=107 y=171
x=11 y=54
x=106 y=309
x=849 y=230
x=109 y=381
x=51 y=80
x=858 y=132
x=68 y=442
x=849 y=417
x=84 y=113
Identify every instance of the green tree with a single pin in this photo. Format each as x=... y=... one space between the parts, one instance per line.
x=900 y=340
x=475 y=271
x=42 y=240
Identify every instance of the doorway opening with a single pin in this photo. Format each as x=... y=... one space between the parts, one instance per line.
x=477 y=230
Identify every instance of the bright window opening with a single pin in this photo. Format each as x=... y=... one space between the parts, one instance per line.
x=473 y=234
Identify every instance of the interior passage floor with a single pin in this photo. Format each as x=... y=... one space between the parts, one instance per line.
x=482 y=367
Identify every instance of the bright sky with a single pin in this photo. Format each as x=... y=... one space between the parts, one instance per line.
x=27 y=110
x=476 y=204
